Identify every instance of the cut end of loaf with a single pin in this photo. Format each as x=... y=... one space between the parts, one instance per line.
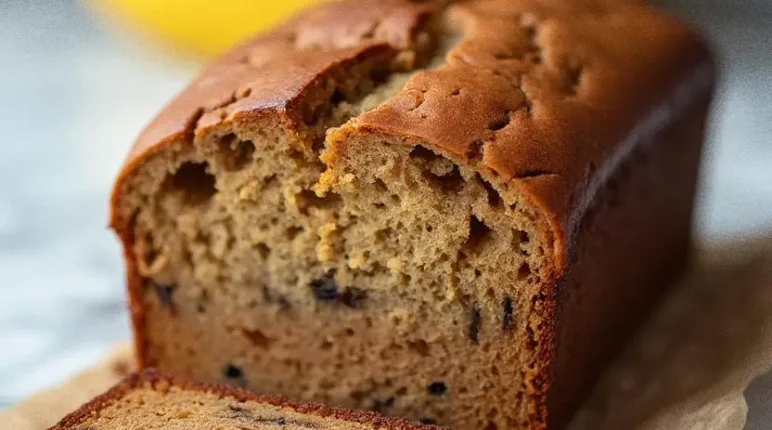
x=152 y=401
x=370 y=291
x=386 y=275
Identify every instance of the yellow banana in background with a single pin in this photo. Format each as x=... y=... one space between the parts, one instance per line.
x=199 y=27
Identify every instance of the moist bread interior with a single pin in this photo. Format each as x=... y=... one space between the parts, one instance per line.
x=372 y=282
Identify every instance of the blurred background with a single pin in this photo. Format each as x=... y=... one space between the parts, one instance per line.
x=79 y=80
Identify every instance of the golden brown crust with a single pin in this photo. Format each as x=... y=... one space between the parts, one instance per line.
x=539 y=91
x=545 y=89
x=543 y=97
x=155 y=379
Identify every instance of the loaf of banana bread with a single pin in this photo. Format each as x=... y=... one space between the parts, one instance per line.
x=153 y=401
x=454 y=213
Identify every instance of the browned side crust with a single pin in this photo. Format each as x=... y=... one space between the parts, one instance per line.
x=599 y=73
x=598 y=79
x=153 y=377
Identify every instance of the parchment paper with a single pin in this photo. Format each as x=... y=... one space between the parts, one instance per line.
x=689 y=366
x=47 y=407
x=686 y=370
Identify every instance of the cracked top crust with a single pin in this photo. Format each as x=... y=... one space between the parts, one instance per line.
x=544 y=97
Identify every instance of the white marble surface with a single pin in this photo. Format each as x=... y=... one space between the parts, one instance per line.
x=72 y=98
x=71 y=101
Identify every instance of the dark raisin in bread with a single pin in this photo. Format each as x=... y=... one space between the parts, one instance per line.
x=153 y=401
x=454 y=213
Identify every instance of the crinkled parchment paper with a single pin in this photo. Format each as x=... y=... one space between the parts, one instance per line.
x=686 y=370
x=689 y=366
x=47 y=407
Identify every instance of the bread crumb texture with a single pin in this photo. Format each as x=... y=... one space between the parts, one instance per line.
x=369 y=206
